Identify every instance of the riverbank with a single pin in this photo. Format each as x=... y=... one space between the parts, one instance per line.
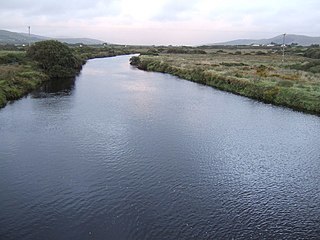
x=194 y=162
x=258 y=76
x=20 y=75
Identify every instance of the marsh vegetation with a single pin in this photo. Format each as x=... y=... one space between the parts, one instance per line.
x=18 y=75
x=23 y=69
x=255 y=72
x=258 y=73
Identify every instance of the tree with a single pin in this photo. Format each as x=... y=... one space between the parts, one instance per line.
x=55 y=58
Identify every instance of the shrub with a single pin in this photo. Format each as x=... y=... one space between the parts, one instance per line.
x=262 y=71
x=312 y=66
x=313 y=53
x=177 y=51
x=135 y=61
x=12 y=58
x=151 y=52
x=260 y=53
x=198 y=51
x=233 y=64
x=55 y=58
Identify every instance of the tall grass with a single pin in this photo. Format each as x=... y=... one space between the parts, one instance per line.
x=261 y=77
x=19 y=74
x=18 y=80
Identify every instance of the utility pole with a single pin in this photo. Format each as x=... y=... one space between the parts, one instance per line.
x=283 y=46
x=29 y=35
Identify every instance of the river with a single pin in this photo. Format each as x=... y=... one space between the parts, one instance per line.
x=120 y=153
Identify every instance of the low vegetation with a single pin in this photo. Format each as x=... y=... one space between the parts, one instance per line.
x=258 y=73
x=88 y=52
x=313 y=52
x=294 y=83
x=17 y=79
x=23 y=69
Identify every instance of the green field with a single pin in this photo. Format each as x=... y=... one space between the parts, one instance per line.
x=256 y=73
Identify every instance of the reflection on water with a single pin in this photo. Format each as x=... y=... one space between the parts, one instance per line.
x=125 y=154
x=54 y=87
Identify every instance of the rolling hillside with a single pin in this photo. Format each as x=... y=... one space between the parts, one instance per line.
x=290 y=38
x=7 y=37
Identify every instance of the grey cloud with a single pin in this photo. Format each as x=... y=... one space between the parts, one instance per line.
x=242 y=18
x=16 y=4
x=68 y=9
x=173 y=10
x=292 y=17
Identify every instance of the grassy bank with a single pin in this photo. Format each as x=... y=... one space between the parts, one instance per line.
x=20 y=74
x=258 y=74
x=90 y=52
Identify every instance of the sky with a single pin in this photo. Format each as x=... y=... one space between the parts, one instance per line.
x=162 y=22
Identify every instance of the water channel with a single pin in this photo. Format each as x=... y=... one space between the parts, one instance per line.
x=119 y=153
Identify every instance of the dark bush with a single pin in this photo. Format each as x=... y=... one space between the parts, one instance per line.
x=151 y=52
x=262 y=71
x=55 y=58
x=177 y=50
x=233 y=64
x=313 y=53
x=135 y=61
x=260 y=53
x=198 y=51
x=12 y=58
x=9 y=47
x=312 y=66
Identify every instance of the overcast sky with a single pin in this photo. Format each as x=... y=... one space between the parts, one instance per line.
x=179 y=22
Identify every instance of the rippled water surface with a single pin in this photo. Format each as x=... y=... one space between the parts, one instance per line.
x=124 y=154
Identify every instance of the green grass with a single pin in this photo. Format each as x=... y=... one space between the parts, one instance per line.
x=263 y=77
x=295 y=84
x=12 y=57
x=89 y=52
x=18 y=80
x=20 y=75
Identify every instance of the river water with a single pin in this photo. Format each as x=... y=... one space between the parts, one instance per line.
x=120 y=153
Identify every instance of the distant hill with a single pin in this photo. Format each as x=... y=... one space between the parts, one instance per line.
x=290 y=38
x=7 y=37
x=87 y=41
